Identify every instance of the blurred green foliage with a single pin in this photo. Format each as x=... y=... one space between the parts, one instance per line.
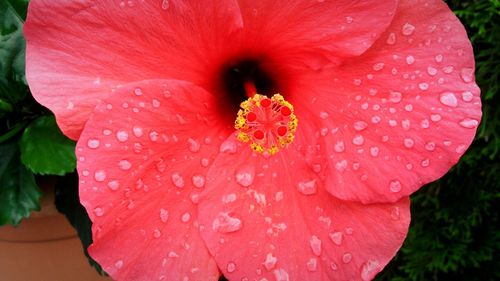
x=455 y=230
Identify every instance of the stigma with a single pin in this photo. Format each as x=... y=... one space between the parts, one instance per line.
x=266 y=124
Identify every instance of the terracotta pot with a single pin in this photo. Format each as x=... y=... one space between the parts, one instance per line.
x=44 y=248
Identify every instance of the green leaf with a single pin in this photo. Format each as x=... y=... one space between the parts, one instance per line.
x=45 y=150
x=19 y=194
x=12 y=50
x=68 y=203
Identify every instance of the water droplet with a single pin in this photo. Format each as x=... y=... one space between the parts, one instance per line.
x=185 y=217
x=124 y=165
x=178 y=180
x=425 y=163
x=423 y=86
x=137 y=131
x=346 y=258
x=93 y=143
x=323 y=115
x=315 y=244
x=408 y=142
x=225 y=223
x=163 y=215
x=435 y=117
x=410 y=59
x=231 y=267
x=155 y=103
x=395 y=213
x=281 y=275
x=349 y=19
x=138 y=92
x=229 y=146
x=165 y=4
x=408 y=29
x=439 y=58
x=339 y=146
x=430 y=146
x=391 y=39
x=119 y=264
x=307 y=187
x=312 y=264
x=467 y=74
x=374 y=151
x=360 y=125
x=153 y=136
x=245 y=175
x=469 y=123
x=336 y=237
x=378 y=66
x=198 y=181
x=113 y=185
x=99 y=212
x=395 y=186
x=467 y=96
x=156 y=233
x=122 y=136
x=369 y=270
x=358 y=140
x=449 y=99
x=431 y=70
x=100 y=175
x=270 y=261
x=395 y=97
x=194 y=146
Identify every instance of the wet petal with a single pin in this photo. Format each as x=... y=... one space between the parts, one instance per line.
x=314 y=32
x=79 y=51
x=286 y=226
x=142 y=162
x=400 y=115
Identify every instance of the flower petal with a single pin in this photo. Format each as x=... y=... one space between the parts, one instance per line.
x=272 y=219
x=400 y=115
x=142 y=162
x=314 y=32
x=78 y=51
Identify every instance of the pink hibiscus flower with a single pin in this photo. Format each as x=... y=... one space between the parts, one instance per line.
x=383 y=92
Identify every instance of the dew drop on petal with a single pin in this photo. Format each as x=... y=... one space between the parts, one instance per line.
x=98 y=212
x=228 y=146
x=165 y=4
x=178 y=180
x=198 y=181
x=408 y=142
x=113 y=185
x=410 y=59
x=307 y=187
x=93 y=143
x=346 y=258
x=124 y=165
x=336 y=237
x=163 y=215
x=315 y=244
x=423 y=86
x=194 y=146
x=185 y=217
x=448 y=99
x=281 y=275
x=358 y=140
x=369 y=270
x=395 y=186
x=339 y=146
x=431 y=70
x=122 y=136
x=231 y=267
x=323 y=115
x=312 y=264
x=270 y=261
x=245 y=175
x=467 y=74
x=100 y=175
x=467 y=96
x=225 y=223
x=378 y=66
x=408 y=29
x=360 y=125
x=395 y=97
x=391 y=39
x=469 y=123
x=137 y=131
x=119 y=264
x=156 y=233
